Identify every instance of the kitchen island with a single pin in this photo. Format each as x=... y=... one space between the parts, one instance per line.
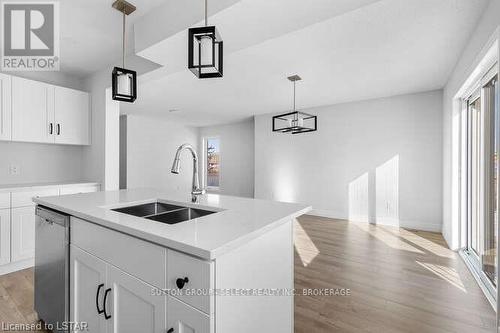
x=146 y=261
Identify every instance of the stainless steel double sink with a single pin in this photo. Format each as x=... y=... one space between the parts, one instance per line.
x=163 y=212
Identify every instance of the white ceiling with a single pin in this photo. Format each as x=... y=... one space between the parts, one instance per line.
x=91 y=33
x=345 y=50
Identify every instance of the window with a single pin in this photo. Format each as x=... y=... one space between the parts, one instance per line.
x=482 y=137
x=212 y=155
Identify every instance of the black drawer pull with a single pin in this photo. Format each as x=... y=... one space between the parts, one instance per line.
x=181 y=282
x=171 y=330
x=105 y=298
x=99 y=311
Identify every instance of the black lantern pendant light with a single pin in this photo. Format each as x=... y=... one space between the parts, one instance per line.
x=124 y=81
x=294 y=122
x=205 y=51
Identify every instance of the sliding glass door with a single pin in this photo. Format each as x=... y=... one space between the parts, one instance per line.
x=482 y=151
x=474 y=135
x=489 y=255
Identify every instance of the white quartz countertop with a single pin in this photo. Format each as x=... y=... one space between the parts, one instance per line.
x=237 y=221
x=28 y=186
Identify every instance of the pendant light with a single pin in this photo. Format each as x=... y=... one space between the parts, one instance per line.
x=205 y=51
x=124 y=81
x=294 y=122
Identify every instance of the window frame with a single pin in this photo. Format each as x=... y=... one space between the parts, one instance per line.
x=474 y=260
x=205 y=164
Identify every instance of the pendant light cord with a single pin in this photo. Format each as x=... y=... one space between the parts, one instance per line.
x=206 y=13
x=123 y=41
x=294 y=83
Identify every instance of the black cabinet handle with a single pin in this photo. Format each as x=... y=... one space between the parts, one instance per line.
x=181 y=282
x=99 y=311
x=51 y=129
x=170 y=330
x=58 y=129
x=105 y=298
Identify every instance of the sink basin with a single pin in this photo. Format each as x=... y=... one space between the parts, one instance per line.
x=165 y=213
x=148 y=209
x=180 y=215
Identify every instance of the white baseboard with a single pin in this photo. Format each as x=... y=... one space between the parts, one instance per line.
x=407 y=224
x=17 y=266
x=434 y=227
x=327 y=213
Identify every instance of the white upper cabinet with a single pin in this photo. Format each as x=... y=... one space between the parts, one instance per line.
x=32 y=111
x=48 y=114
x=5 y=107
x=72 y=116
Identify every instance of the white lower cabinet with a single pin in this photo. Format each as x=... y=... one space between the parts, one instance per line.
x=183 y=318
x=87 y=286
x=4 y=236
x=133 y=305
x=22 y=233
x=110 y=300
x=18 y=221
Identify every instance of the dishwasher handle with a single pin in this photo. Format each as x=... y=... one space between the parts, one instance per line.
x=52 y=216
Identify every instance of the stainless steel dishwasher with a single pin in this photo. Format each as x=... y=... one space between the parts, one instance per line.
x=52 y=267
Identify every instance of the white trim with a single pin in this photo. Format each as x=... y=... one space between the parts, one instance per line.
x=16 y=266
x=204 y=164
x=407 y=224
x=328 y=214
x=481 y=64
x=477 y=277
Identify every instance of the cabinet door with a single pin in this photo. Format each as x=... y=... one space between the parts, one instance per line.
x=183 y=318
x=32 y=111
x=4 y=236
x=87 y=288
x=72 y=116
x=5 y=107
x=23 y=233
x=134 y=307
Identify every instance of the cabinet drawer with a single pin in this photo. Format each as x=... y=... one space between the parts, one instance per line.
x=79 y=189
x=4 y=200
x=200 y=280
x=183 y=318
x=25 y=198
x=141 y=259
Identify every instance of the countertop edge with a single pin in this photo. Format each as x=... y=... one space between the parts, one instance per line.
x=204 y=254
x=256 y=234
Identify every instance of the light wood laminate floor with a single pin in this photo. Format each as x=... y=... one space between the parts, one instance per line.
x=399 y=281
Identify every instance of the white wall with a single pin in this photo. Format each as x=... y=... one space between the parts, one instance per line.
x=237 y=156
x=94 y=156
x=483 y=32
x=377 y=161
x=152 y=144
x=41 y=162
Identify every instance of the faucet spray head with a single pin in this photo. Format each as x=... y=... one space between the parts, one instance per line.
x=176 y=166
